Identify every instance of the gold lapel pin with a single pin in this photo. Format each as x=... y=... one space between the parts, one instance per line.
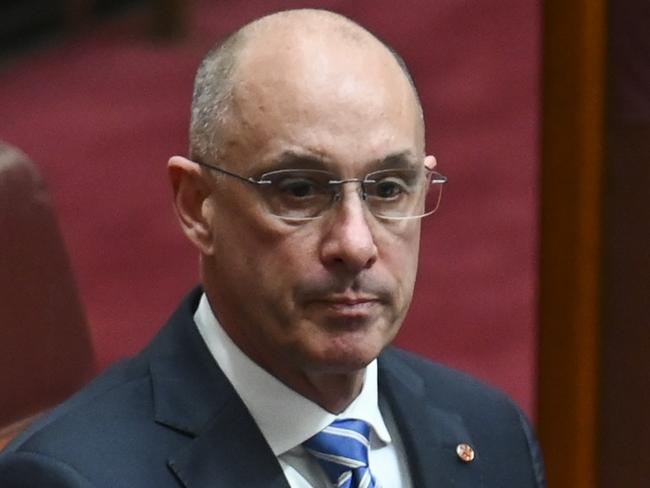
x=465 y=452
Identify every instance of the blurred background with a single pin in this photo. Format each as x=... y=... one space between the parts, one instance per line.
x=534 y=272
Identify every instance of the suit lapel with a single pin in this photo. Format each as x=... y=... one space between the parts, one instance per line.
x=231 y=452
x=430 y=434
x=224 y=446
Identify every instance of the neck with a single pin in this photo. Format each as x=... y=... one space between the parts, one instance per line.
x=332 y=391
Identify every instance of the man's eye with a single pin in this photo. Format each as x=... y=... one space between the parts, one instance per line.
x=389 y=188
x=298 y=188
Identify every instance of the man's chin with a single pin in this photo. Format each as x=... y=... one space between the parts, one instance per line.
x=341 y=348
x=343 y=360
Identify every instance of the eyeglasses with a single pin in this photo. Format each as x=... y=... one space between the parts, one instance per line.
x=306 y=194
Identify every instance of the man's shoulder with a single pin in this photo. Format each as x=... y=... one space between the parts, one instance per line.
x=75 y=430
x=127 y=423
x=460 y=403
x=112 y=421
x=434 y=374
x=108 y=424
x=445 y=387
x=94 y=409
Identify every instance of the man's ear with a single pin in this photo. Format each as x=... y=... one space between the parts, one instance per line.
x=191 y=201
x=430 y=162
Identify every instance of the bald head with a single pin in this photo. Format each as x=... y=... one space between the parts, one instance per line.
x=275 y=46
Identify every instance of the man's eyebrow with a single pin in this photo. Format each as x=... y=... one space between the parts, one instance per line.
x=296 y=160
x=291 y=159
x=402 y=159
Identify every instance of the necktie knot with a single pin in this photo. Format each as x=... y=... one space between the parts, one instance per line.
x=341 y=449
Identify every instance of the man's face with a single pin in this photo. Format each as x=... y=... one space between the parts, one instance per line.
x=325 y=296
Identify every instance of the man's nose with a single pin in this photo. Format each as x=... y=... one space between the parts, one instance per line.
x=348 y=241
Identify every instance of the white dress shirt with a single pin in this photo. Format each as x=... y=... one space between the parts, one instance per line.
x=287 y=419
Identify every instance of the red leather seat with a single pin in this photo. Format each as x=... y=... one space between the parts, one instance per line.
x=45 y=345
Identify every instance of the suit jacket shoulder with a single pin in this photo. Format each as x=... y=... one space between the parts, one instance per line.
x=438 y=408
x=166 y=418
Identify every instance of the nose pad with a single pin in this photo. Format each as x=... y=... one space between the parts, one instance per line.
x=360 y=190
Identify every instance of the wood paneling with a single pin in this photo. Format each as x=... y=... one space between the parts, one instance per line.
x=571 y=229
x=625 y=388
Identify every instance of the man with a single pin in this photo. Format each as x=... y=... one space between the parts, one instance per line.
x=303 y=192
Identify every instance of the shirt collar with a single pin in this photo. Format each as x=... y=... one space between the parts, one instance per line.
x=286 y=418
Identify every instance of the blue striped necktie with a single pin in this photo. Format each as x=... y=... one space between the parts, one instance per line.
x=342 y=450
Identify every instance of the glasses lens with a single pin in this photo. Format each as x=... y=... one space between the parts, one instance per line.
x=297 y=194
x=403 y=193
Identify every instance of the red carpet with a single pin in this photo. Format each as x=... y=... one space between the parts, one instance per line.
x=101 y=115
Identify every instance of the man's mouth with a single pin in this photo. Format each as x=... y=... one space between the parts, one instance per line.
x=348 y=306
x=349 y=298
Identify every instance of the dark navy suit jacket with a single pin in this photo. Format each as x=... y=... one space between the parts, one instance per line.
x=170 y=418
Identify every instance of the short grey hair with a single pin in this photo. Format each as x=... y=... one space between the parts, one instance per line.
x=213 y=91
